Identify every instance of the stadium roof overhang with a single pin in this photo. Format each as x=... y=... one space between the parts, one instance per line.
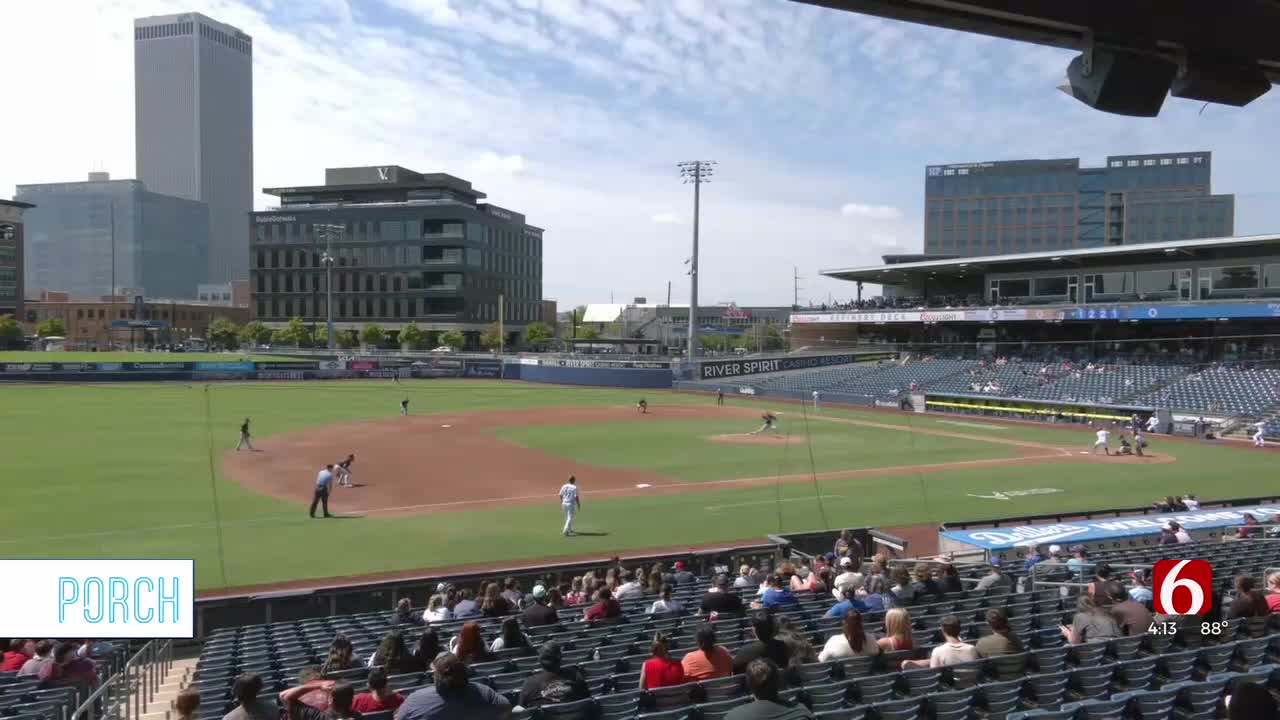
x=896 y=273
x=1134 y=52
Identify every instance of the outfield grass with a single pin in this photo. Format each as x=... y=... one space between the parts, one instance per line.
x=72 y=356
x=131 y=470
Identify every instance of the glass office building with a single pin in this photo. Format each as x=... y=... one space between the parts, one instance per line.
x=995 y=208
x=86 y=237
x=11 y=246
x=407 y=247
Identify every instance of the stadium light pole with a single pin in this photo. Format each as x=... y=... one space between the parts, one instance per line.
x=694 y=172
x=327 y=260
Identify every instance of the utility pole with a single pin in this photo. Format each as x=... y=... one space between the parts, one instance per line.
x=695 y=172
x=501 y=328
x=327 y=260
x=111 y=219
x=795 y=281
x=668 y=293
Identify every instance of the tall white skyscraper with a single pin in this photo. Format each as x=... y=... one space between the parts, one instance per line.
x=193 y=115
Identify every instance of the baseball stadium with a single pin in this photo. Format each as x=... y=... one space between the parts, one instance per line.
x=1006 y=477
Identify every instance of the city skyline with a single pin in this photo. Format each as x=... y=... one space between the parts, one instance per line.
x=822 y=123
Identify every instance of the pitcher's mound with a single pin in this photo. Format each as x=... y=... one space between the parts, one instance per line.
x=776 y=439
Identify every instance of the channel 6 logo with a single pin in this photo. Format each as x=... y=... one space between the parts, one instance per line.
x=1183 y=587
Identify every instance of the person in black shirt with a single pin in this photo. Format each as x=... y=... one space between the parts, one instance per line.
x=404 y=406
x=764 y=646
x=539 y=613
x=244 y=437
x=404 y=614
x=552 y=684
x=722 y=600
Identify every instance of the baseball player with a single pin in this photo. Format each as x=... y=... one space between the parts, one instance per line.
x=570 y=503
x=244 y=437
x=1153 y=422
x=1104 y=437
x=643 y=406
x=1139 y=443
x=816 y=407
x=770 y=423
x=343 y=471
x=1258 y=439
x=404 y=407
x=719 y=396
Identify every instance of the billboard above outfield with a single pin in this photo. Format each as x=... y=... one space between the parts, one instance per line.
x=717 y=369
x=1156 y=312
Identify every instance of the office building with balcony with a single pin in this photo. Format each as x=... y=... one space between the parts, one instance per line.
x=405 y=247
x=996 y=208
x=11 y=250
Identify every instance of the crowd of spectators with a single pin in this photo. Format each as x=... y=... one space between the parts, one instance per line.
x=54 y=663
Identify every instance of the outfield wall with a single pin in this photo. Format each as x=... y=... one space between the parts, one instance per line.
x=600 y=376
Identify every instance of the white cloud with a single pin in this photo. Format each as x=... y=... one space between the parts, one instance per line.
x=871 y=212
x=490 y=163
x=666 y=218
x=437 y=12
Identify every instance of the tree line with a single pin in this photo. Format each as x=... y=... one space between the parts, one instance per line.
x=227 y=334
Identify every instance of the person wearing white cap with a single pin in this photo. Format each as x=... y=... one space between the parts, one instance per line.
x=539 y=613
x=848 y=577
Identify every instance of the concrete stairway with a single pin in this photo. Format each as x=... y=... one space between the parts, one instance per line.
x=161 y=706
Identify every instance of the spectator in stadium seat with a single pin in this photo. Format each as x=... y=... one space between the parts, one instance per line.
x=1249 y=700
x=67 y=670
x=949 y=579
x=777 y=596
x=849 y=577
x=1079 y=559
x=631 y=587
x=796 y=638
x=392 y=654
x=709 y=660
x=660 y=670
x=453 y=697
x=850 y=602
x=1180 y=533
x=606 y=608
x=904 y=592
x=186 y=704
x=820 y=581
x=897 y=631
x=340 y=656
x=852 y=640
x=245 y=690
x=468 y=645
x=340 y=694
x=683 y=577
x=952 y=651
x=995 y=579
x=17 y=655
x=1053 y=568
x=467 y=605
x=877 y=597
x=317 y=698
x=876 y=571
x=764 y=680
x=665 y=605
x=378 y=697
x=927 y=589
x=576 y=595
x=494 y=604
x=552 y=684
x=1091 y=622
x=437 y=611
x=511 y=638
x=555 y=596
x=1101 y=576
x=404 y=614
x=1249 y=528
x=426 y=651
x=722 y=601
x=764 y=646
x=43 y=656
x=1001 y=641
x=539 y=613
x=511 y=593
x=1273 y=592
x=1034 y=557
x=1133 y=618
x=1249 y=601
x=1140 y=592
x=746 y=579
x=653 y=580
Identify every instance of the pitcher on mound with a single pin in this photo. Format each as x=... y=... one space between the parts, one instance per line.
x=770 y=424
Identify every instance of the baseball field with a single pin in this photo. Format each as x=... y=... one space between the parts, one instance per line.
x=470 y=476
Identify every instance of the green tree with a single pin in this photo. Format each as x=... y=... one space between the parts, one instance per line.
x=53 y=327
x=321 y=338
x=10 y=333
x=492 y=337
x=296 y=334
x=224 y=333
x=453 y=338
x=253 y=333
x=588 y=333
x=348 y=338
x=538 y=334
x=412 y=337
x=373 y=335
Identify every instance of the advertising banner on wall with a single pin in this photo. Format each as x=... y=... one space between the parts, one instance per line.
x=585 y=363
x=483 y=369
x=1200 y=311
x=713 y=369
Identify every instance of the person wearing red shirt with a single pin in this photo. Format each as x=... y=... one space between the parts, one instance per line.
x=660 y=670
x=378 y=697
x=606 y=608
x=16 y=656
x=1273 y=592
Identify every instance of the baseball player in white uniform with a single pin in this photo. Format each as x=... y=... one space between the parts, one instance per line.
x=1153 y=422
x=343 y=470
x=570 y=503
x=1258 y=439
x=1104 y=437
x=770 y=423
x=816 y=407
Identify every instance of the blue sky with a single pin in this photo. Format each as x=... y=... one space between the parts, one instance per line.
x=575 y=112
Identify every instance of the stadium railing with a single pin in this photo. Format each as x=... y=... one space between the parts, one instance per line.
x=127 y=691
